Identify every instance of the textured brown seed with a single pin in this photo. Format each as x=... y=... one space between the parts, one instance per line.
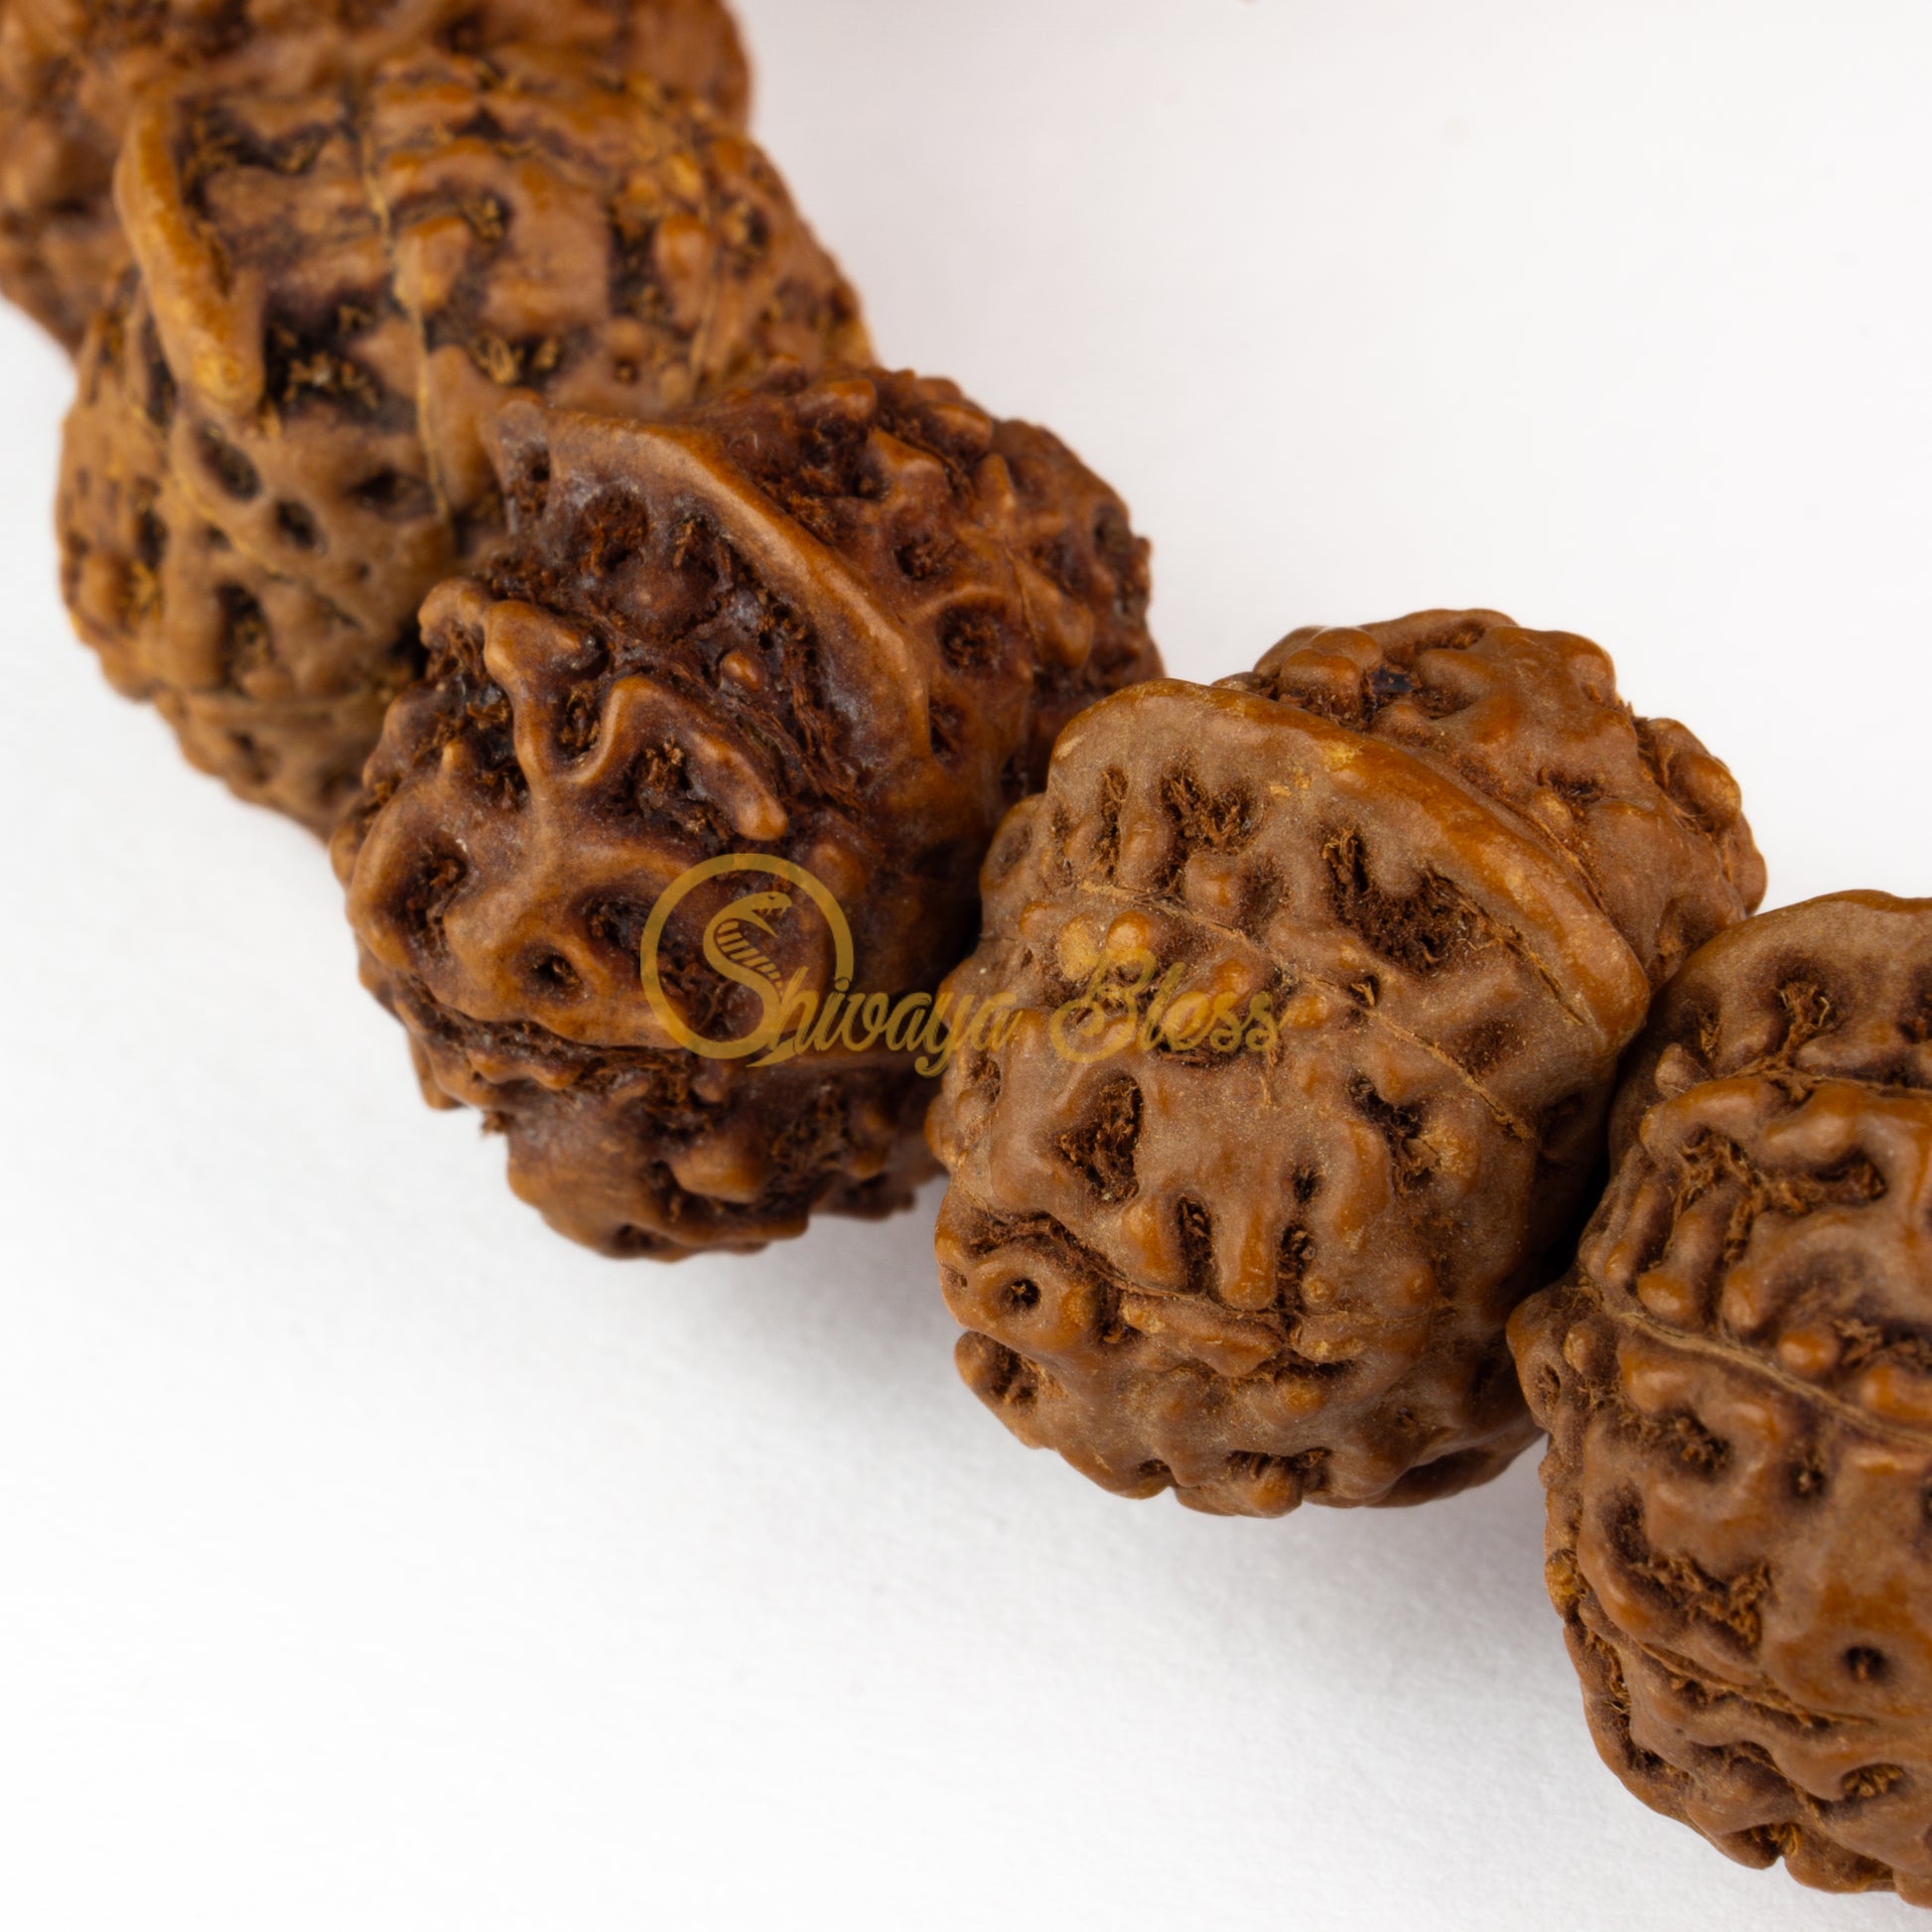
x=836 y=622
x=1385 y=910
x=71 y=72
x=277 y=447
x=1736 y=1378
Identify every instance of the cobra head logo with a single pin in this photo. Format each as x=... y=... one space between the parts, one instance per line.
x=737 y=946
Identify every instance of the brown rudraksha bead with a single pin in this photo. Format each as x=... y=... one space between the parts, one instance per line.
x=1313 y=988
x=830 y=623
x=1736 y=1378
x=73 y=71
x=278 y=445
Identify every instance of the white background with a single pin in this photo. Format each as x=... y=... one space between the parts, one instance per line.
x=369 y=1558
